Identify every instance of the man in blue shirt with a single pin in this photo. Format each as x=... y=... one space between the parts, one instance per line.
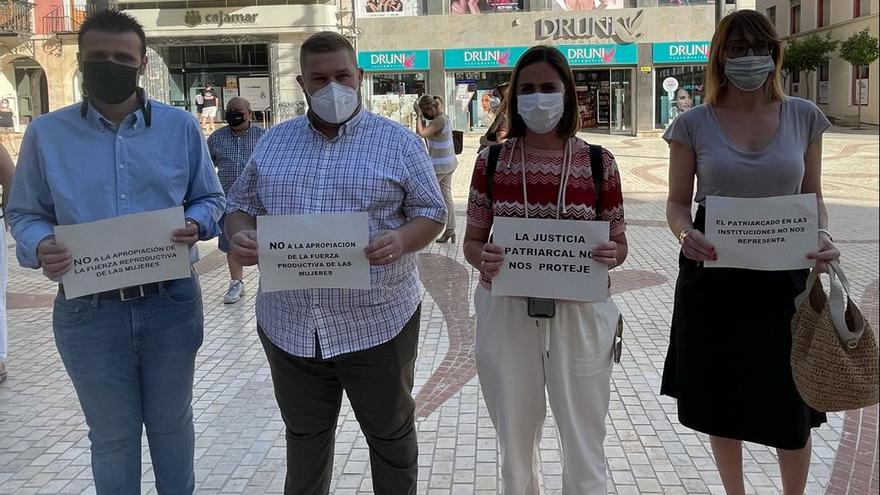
x=130 y=353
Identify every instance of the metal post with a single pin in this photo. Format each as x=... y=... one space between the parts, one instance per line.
x=719 y=11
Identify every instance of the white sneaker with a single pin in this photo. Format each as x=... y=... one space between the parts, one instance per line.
x=235 y=292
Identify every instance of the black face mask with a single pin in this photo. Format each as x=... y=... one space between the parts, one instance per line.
x=109 y=82
x=234 y=119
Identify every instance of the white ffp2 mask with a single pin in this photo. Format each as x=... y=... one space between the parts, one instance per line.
x=541 y=111
x=335 y=103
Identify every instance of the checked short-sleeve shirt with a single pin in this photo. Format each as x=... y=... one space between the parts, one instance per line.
x=373 y=165
x=231 y=153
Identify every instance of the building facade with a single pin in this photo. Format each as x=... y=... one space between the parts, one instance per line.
x=637 y=63
x=835 y=88
x=240 y=47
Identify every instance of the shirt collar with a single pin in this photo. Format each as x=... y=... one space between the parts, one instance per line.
x=248 y=131
x=345 y=128
x=133 y=120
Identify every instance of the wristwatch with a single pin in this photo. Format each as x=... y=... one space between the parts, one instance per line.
x=683 y=234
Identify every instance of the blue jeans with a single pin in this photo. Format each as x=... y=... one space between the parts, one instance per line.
x=132 y=365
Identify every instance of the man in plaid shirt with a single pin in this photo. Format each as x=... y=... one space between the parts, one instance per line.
x=231 y=148
x=319 y=342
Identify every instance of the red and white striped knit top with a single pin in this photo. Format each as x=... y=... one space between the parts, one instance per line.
x=543 y=176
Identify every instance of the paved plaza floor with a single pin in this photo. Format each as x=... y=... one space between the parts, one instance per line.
x=240 y=443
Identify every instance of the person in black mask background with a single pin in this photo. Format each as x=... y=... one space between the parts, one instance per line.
x=231 y=149
x=209 y=108
x=130 y=353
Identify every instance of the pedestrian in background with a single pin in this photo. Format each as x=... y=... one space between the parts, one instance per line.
x=209 y=108
x=130 y=353
x=438 y=137
x=7 y=171
x=728 y=363
x=544 y=171
x=497 y=132
x=231 y=148
x=341 y=158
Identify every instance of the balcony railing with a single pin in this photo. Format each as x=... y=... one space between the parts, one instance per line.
x=16 y=17
x=65 y=19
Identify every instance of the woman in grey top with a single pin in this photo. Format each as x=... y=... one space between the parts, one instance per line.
x=438 y=136
x=728 y=361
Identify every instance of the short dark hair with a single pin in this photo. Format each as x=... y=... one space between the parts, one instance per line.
x=325 y=42
x=112 y=21
x=570 y=123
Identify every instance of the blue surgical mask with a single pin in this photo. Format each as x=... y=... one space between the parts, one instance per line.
x=749 y=73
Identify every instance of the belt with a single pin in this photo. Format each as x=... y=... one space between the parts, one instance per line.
x=127 y=293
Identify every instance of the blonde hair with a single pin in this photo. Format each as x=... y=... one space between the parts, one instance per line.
x=761 y=29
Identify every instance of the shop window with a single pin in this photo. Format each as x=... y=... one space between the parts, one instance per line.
x=860 y=79
x=677 y=90
x=472 y=93
x=221 y=54
x=795 y=17
x=771 y=14
x=174 y=57
x=255 y=55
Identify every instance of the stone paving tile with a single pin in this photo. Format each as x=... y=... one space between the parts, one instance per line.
x=240 y=445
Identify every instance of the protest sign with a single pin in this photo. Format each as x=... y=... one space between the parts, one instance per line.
x=324 y=251
x=762 y=233
x=124 y=251
x=550 y=259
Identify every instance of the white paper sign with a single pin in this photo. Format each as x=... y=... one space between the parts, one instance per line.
x=256 y=90
x=323 y=251
x=762 y=233
x=550 y=259
x=124 y=251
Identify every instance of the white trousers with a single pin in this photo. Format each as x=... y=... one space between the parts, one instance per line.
x=569 y=355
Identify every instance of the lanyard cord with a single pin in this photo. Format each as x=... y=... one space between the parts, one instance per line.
x=563 y=177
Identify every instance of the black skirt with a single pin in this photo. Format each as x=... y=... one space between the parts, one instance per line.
x=729 y=355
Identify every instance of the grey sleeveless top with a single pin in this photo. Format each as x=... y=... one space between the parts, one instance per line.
x=724 y=169
x=442 y=150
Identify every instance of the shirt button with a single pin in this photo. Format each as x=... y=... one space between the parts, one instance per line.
x=120 y=138
x=121 y=165
x=123 y=196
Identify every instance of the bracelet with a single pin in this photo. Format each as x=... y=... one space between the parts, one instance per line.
x=683 y=234
x=826 y=232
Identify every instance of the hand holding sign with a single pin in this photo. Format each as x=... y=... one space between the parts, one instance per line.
x=492 y=260
x=386 y=248
x=606 y=252
x=696 y=247
x=244 y=248
x=188 y=235
x=827 y=252
x=54 y=257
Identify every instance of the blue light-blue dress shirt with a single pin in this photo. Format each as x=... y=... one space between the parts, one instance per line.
x=74 y=169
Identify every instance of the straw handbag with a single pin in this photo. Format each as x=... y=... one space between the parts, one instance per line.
x=834 y=357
